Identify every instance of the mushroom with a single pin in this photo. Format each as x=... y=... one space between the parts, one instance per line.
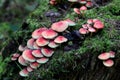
x=76 y=10
x=89 y=4
x=59 y=26
x=83 y=8
x=48 y=52
x=49 y=34
x=52 y=44
x=60 y=39
x=22 y=61
x=90 y=21
x=24 y=73
x=42 y=60
x=83 y=1
x=112 y=54
x=16 y=55
x=91 y=29
x=42 y=41
x=35 y=46
x=70 y=22
x=30 y=43
x=27 y=55
x=21 y=48
x=29 y=69
x=37 y=33
x=37 y=53
x=108 y=63
x=83 y=31
x=104 y=56
x=13 y=58
x=98 y=25
x=72 y=0
x=34 y=65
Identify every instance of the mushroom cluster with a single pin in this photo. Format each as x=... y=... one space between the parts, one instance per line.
x=42 y=45
x=106 y=57
x=92 y=26
x=87 y=3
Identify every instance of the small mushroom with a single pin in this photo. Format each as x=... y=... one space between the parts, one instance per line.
x=37 y=53
x=49 y=34
x=42 y=60
x=27 y=55
x=83 y=1
x=73 y=0
x=42 y=41
x=21 y=48
x=16 y=55
x=30 y=43
x=76 y=10
x=24 y=73
x=98 y=25
x=34 y=65
x=108 y=63
x=37 y=33
x=104 y=56
x=52 y=44
x=89 y=4
x=83 y=31
x=60 y=39
x=90 y=21
x=22 y=61
x=112 y=54
x=29 y=69
x=48 y=52
x=59 y=26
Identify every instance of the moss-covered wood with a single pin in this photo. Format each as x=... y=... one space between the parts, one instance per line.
x=77 y=64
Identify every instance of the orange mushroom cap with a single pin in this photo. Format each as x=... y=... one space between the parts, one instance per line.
x=104 y=56
x=48 y=52
x=42 y=60
x=37 y=53
x=24 y=73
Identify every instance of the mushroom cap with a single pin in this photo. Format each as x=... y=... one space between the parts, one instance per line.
x=37 y=33
x=98 y=25
x=27 y=55
x=70 y=22
x=49 y=34
x=104 y=56
x=52 y=44
x=24 y=73
x=34 y=65
x=83 y=31
x=29 y=69
x=22 y=61
x=83 y=8
x=48 y=52
x=13 y=58
x=35 y=46
x=60 y=39
x=90 y=21
x=72 y=0
x=91 y=29
x=42 y=60
x=16 y=55
x=89 y=4
x=30 y=43
x=21 y=48
x=76 y=10
x=59 y=26
x=42 y=41
x=85 y=26
x=112 y=54
x=83 y=1
x=37 y=53
x=108 y=63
